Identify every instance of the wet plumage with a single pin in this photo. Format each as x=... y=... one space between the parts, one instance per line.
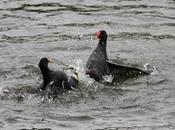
x=98 y=64
x=57 y=78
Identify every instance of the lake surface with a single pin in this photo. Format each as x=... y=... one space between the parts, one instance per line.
x=139 y=32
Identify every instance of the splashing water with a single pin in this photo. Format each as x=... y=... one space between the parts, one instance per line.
x=151 y=68
x=108 y=78
x=80 y=67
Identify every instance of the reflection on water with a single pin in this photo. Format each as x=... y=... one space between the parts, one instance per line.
x=139 y=32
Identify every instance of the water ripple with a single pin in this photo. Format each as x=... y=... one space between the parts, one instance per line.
x=139 y=31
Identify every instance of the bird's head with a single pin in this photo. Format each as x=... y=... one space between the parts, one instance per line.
x=44 y=62
x=101 y=35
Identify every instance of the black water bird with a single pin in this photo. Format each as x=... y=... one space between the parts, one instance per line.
x=56 y=78
x=98 y=64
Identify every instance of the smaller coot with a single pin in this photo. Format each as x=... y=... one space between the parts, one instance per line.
x=56 y=78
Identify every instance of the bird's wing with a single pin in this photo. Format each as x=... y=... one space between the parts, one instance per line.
x=123 y=72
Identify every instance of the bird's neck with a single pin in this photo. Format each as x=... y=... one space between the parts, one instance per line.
x=102 y=44
x=45 y=72
x=102 y=47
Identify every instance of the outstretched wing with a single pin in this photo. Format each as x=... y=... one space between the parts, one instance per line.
x=121 y=73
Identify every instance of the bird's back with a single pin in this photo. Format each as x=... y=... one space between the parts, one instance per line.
x=57 y=76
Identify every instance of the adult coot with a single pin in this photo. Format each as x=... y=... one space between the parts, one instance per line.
x=98 y=64
x=56 y=78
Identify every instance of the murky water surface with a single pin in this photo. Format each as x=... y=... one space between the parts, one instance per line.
x=139 y=32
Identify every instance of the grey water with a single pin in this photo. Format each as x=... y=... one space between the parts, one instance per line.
x=139 y=32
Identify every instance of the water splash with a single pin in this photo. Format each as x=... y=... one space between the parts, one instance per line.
x=108 y=78
x=151 y=68
x=80 y=67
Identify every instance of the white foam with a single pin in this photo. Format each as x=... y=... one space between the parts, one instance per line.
x=151 y=68
x=108 y=78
